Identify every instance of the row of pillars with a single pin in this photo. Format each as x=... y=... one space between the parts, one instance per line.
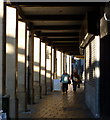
x=27 y=65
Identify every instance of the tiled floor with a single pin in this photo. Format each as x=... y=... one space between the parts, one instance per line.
x=56 y=105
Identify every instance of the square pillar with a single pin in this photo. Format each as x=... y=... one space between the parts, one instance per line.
x=21 y=65
x=64 y=62
x=67 y=63
x=1 y=49
x=48 y=68
x=11 y=59
x=45 y=70
x=51 y=72
x=58 y=64
x=52 y=63
x=70 y=59
x=40 y=86
x=55 y=64
x=31 y=73
x=36 y=69
x=61 y=64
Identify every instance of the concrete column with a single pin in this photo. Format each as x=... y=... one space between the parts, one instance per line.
x=67 y=63
x=27 y=68
x=64 y=62
x=1 y=49
x=25 y=71
x=58 y=64
x=31 y=73
x=51 y=72
x=45 y=70
x=11 y=61
x=52 y=63
x=4 y=51
x=70 y=64
x=40 y=86
x=36 y=69
x=43 y=82
x=21 y=65
x=61 y=64
x=48 y=67
x=55 y=64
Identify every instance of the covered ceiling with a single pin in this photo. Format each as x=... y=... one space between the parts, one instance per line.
x=58 y=23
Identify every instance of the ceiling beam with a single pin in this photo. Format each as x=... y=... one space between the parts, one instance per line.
x=54 y=17
x=59 y=34
x=63 y=39
x=21 y=13
x=76 y=52
x=56 y=27
x=56 y=4
x=68 y=46
x=65 y=44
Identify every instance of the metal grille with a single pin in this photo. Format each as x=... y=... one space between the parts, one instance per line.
x=91 y=92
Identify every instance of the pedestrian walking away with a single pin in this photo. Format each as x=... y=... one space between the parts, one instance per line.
x=65 y=80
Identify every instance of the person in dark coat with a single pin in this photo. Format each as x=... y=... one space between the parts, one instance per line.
x=75 y=79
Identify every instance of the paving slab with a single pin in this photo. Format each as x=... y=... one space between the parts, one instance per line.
x=57 y=105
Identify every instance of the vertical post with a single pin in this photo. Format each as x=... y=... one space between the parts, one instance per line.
x=61 y=63
x=4 y=48
x=45 y=69
x=36 y=69
x=52 y=63
x=51 y=72
x=21 y=65
x=11 y=59
x=32 y=67
x=25 y=67
x=2 y=41
x=67 y=63
x=31 y=52
x=40 y=69
x=55 y=64
x=16 y=59
x=64 y=62
x=70 y=65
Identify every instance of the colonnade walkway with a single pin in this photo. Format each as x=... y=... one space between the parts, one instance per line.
x=57 y=105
